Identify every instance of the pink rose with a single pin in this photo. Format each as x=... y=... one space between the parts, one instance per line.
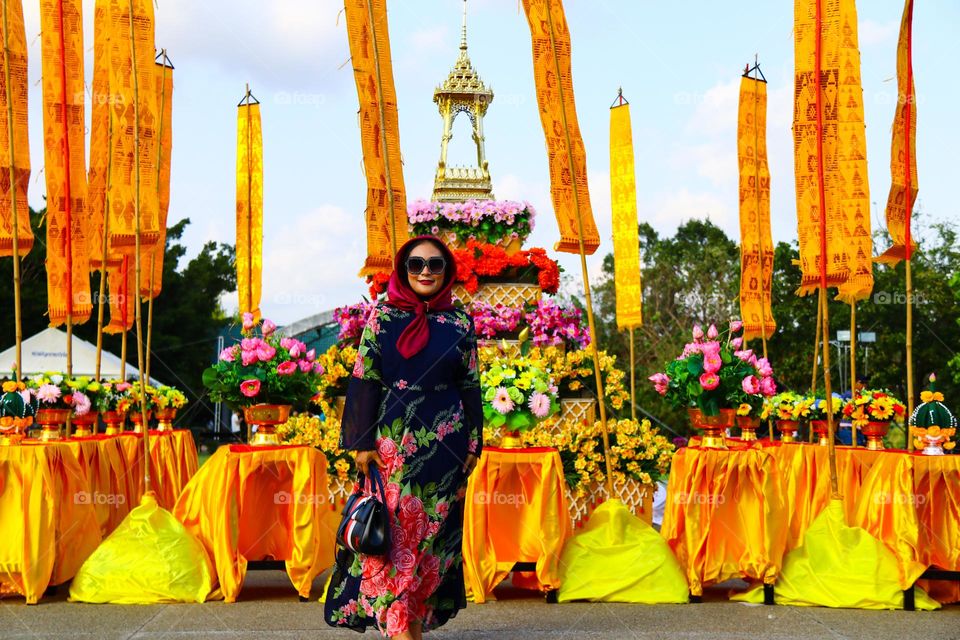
x=697 y=332
x=286 y=368
x=712 y=332
x=398 y=621
x=265 y=352
x=287 y=343
x=250 y=344
x=268 y=328
x=387 y=449
x=318 y=368
x=228 y=354
x=295 y=351
x=751 y=385
x=710 y=348
x=250 y=388
x=305 y=366
x=311 y=355
x=712 y=363
x=392 y=489
x=744 y=355
x=764 y=368
x=709 y=381
x=410 y=505
x=358 y=367
x=768 y=387
x=248 y=357
x=403 y=559
x=735 y=326
x=736 y=343
x=248 y=322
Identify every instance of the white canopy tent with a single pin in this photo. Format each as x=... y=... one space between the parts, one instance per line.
x=47 y=351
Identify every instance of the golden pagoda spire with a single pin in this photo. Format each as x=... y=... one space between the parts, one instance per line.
x=462 y=92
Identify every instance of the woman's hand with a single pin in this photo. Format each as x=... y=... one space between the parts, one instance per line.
x=364 y=458
x=470 y=464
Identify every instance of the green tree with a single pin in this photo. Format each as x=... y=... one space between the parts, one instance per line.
x=187 y=316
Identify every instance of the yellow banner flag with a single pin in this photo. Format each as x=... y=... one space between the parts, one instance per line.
x=121 y=280
x=756 y=243
x=15 y=153
x=623 y=204
x=830 y=154
x=249 y=207
x=68 y=277
x=153 y=283
x=903 y=151
x=558 y=115
x=133 y=97
x=379 y=132
x=98 y=173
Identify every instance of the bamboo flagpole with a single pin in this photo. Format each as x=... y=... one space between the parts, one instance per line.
x=816 y=349
x=853 y=369
x=757 y=190
x=104 y=256
x=633 y=382
x=68 y=236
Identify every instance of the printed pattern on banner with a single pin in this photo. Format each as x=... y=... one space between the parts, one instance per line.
x=121 y=279
x=623 y=204
x=126 y=106
x=154 y=255
x=16 y=41
x=558 y=115
x=68 y=278
x=98 y=173
x=370 y=51
x=903 y=148
x=846 y=192
x=756 y=243
x=249 y=207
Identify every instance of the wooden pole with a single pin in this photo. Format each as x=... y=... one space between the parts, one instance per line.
x=146 y=370
x=18 y=358
x=756 y=168
x=148 y=489
x=853 y=368
x=816 y=349
x=104 y=251
x=909 y=348
x=828 y=391
x=68 y=236
x=601 y=398
x=633 y=380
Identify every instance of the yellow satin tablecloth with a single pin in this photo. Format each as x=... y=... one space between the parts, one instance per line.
x=46 y=530
x=725 y=515
x=258 y=503
x=173 y=461
x=112 y=486
x=516 y=511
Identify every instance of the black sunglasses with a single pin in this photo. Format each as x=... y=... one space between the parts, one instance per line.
x=436 y=265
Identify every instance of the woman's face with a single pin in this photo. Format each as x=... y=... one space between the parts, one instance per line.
x=425 y=283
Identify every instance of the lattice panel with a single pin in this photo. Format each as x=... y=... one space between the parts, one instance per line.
x=636 y=496
x=511 y=294
x=577 y=411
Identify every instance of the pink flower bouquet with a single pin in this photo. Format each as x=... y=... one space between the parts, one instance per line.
x=491 y=221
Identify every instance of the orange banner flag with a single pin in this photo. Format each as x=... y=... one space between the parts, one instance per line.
x=14 y=153
x=903 y=151
x=830 y=155
x=756 y=243
x=249 y=206
x=98 y=173
x=386 y=213
x=623 y=204
x=121 y=280
x=133 y=97
x=68 y=278
x=152 y=284
x=558 y=115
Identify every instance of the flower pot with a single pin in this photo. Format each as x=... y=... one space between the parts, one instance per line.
x=85 y=425
x=822 y=429
x=874 y=433
x=136 y=418
x=266 y=418
x=165 y=418
x=714 y=427
x=114 y=421
x=748 y=427
x=788 y=430
x=51 y=421
x=511 y=440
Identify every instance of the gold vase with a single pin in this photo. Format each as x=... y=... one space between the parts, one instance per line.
x=51 y=421
x=114 y=421
x=85 y=425
x=788 y=430
x=266 y=418
x=136 y=417
x=165 y=418
x=822 y=429
x=874 y=433
x=511 y=440
x=748 y=428
x=714 y=427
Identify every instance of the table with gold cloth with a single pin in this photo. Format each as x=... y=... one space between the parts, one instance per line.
x=113 y=487
x=516 y=511
x=910 y=502
x=47 y=530
x=173 y=461
x=262 y=503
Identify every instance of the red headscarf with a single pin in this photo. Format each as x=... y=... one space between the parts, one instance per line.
x=399 y=294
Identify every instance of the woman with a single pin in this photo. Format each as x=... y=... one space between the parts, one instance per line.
x=414 y=410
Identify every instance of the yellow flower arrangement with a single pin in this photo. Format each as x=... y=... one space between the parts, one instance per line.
x=337 y=364
x=303 y=428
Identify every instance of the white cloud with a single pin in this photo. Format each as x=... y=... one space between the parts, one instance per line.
x=872 y=32
x=431 y=39
x=716 y=109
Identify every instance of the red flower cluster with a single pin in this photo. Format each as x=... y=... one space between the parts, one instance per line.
x=378 y=284
x=481 y=259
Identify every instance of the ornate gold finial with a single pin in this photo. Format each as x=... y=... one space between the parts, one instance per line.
x=463 y=92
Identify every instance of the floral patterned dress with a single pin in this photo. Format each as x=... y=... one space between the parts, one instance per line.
x=424 y=416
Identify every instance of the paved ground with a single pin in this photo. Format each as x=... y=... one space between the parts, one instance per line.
x=270 y=609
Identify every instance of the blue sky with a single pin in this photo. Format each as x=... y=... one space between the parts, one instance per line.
x=678 y=63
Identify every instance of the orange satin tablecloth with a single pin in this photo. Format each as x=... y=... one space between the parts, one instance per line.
x=912 y=503
x=724 y=515
x=516 y=511
x=112 y=486
x=173 y=462
x=46 y=529
x=258 y=503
